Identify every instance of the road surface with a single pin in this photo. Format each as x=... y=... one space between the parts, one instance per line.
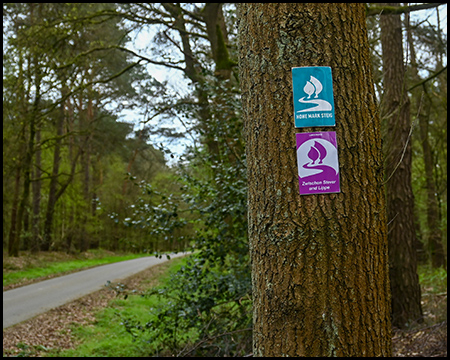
x=23 y=303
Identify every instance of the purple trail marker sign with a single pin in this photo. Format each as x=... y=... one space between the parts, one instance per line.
x=318 y=165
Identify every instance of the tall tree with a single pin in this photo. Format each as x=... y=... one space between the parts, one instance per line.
x=58 y=54
x=395 y=109
x=55 y=191
x=319 y=262
x=197 y=41
x=29 y=93
x=423 y=102
x=85 y=53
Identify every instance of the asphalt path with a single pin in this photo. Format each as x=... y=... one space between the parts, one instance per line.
x=23 y=303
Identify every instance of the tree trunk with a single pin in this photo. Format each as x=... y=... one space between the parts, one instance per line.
x=52 y=192
x=423 y=102
x=213 y=18
x=53 y=187
x=405 y=286
x=86 y=126
x=13 y=238
x=435 y=247
x=36 y=191
x=319 y=262
x=30 y=118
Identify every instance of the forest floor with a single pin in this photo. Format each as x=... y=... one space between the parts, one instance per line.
x=52 y=330
x=428 y=338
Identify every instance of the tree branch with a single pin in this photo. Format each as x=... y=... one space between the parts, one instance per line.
x=121 y=48
x=428 y=78
x=396 y=10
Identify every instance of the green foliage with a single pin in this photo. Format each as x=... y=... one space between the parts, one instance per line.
x=156 y=214
x=66 y=87
x=109 y=336
x=206 y=301
x=209 y=297
x=432 y=280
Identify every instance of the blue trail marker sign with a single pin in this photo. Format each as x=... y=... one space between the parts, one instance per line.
x=313 y=96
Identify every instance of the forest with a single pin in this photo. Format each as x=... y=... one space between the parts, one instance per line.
x=102 y=152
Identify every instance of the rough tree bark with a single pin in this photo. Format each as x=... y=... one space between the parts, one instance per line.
x=395 y=109
x=319 y=262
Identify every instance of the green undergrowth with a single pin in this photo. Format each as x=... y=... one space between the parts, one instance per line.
x=108 y=336
x=119 y=329
x=432 y=280
x=433 y=284
x=41 y=266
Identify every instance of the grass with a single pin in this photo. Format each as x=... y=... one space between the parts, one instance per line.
x=432 y=280
x=108 y=336
x=433 y=284
x=44 y=265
